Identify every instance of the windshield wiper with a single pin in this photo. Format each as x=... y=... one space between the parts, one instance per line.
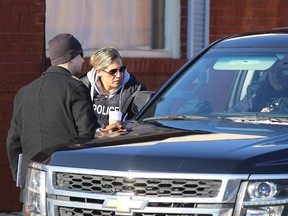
x=172 y=117
x=257 y=119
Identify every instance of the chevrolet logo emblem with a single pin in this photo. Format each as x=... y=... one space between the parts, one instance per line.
x=124 y=203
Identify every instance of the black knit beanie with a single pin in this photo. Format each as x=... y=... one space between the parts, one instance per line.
x=64 y=47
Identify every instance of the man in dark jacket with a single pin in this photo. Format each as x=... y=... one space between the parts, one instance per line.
x=268 y=94
x=53 y=109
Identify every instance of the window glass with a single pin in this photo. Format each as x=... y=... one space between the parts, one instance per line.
x=129 y=25
x=226 y=82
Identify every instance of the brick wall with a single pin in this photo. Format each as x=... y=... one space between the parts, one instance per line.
x=21 y=46
x=21 y=51
x=234 y=16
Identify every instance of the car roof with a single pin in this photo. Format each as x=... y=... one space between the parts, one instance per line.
x=260 y=39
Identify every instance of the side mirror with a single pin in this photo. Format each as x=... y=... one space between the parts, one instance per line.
x=140 y=100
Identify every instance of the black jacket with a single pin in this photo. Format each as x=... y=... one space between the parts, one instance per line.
x=122 y=99
x=52 y=109
x=260 y=94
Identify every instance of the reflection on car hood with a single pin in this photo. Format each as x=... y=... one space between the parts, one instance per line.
x=182 y=146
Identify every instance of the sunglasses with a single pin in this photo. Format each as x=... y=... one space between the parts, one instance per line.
x=115 y=70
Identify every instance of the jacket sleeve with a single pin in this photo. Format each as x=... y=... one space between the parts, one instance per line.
x=133 y=87
x=13 y=146
x=84 y=115
x=143 y=87
x=250 y=102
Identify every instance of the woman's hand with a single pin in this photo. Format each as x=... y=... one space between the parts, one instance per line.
x=116 y=129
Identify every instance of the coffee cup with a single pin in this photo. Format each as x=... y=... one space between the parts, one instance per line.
x=114 y=116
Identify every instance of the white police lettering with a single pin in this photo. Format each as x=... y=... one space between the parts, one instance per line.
x=103 y=110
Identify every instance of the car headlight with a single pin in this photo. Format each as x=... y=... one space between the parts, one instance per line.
x=35 y=190
x=264 y=190
x=265 y=198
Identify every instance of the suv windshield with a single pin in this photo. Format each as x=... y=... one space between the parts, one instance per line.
x=229 y=82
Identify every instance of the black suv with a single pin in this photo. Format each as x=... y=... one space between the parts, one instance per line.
x=212 y=141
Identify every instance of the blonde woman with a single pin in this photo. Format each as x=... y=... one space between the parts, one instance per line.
x=111 y=87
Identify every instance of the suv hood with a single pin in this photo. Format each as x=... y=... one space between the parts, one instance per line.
x=168 y=146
